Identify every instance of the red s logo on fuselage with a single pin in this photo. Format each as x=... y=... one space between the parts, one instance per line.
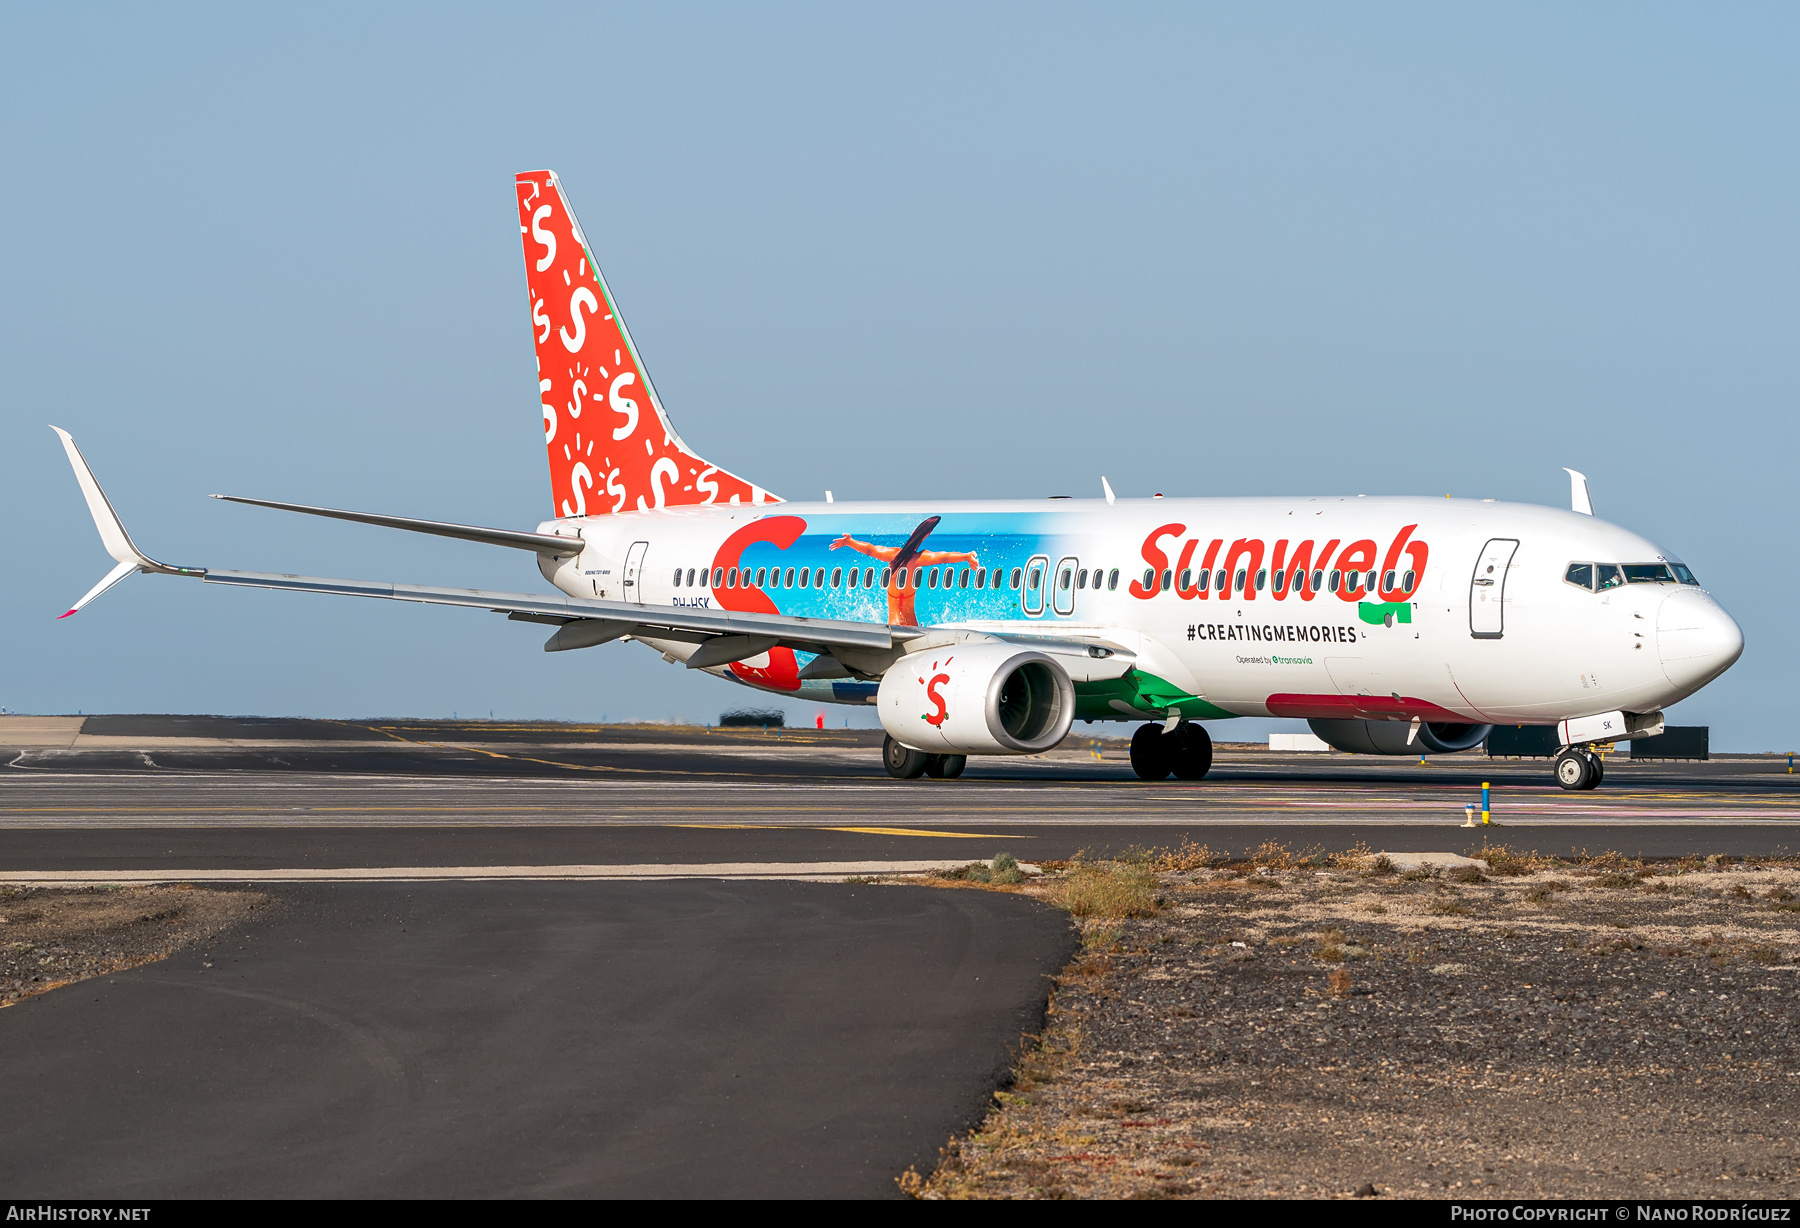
x=931 y=692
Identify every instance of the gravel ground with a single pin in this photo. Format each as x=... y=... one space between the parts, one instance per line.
x=1599 y=1030
x=50 y=937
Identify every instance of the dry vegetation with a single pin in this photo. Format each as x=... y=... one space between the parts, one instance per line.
x=50 y=937
x=1292 y=1024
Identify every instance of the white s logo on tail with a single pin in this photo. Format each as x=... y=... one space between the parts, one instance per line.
x=580 y=481
x=624 y=405
x=582 y=295
x=543 y=236
x=663 y=466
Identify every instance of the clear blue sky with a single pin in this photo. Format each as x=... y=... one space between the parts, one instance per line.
x=911 y=251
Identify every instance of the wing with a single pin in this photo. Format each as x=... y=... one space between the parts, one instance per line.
x=722 y=631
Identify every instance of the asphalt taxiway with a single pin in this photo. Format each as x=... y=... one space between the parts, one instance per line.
x=689 y=1039
x=159 y=795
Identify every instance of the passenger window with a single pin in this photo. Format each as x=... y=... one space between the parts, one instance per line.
x=962 y=581
x=887 y=576
x=805 y=576
x=1318 y=580
x=1237 y=581
x=1037 y=577
x=787 y=580
x=900 y=578
x=1581 y=575
x=1205 y=582
x=1112 y=580
x=1281 y=581
x=1016 y=574
x=819 y=578
x=1221 y=582
x=759 y=577
x=731 y=577
x=1065 y=579
x=1683 y=574
x=981 y=577
x=1149 y=580
x=1262 y=578
x=1387 y=582
x=678 y=577
x=1407 y=582
x=1187 y=579
x=1607 y=576
x=853 y=577
x=932 y=577
x=1336 y=577
x=837 y=577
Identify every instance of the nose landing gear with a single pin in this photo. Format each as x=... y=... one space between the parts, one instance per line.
x=1185 y=752
x=1578 y=768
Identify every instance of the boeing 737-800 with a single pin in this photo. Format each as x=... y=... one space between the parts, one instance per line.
x=987 y=627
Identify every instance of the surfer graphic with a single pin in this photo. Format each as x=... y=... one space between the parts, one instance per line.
x=908 y=562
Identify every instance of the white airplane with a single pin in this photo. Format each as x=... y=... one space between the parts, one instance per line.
x=1394 y=626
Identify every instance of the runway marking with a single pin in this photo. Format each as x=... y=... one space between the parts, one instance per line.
x=798 y=870
x=914 y=831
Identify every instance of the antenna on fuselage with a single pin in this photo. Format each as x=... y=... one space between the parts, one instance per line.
x=1107 y=487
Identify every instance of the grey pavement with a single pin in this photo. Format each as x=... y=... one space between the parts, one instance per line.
x=674 y=1039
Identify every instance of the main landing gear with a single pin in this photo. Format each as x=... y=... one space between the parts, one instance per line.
x=905 y=763
x=1578 y=768
x=1184 y=752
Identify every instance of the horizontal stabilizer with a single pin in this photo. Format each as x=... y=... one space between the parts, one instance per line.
x=542 y=543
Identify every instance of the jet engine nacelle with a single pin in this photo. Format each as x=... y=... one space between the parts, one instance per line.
x=977 y=699
x=1390 y=737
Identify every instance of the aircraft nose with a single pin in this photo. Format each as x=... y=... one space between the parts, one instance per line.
x=1696 y=640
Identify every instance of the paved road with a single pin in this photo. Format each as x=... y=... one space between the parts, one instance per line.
x=691 y=1039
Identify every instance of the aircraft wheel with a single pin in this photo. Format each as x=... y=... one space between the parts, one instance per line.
x=1573 y=770
x=1152 y=756
x=1193 y=752
x=1599 y=766
x=952 y=767
x=902 y=762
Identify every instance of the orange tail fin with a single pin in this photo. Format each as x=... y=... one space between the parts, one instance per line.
x=609 y=451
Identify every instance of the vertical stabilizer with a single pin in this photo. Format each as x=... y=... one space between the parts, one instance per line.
x=610 y=444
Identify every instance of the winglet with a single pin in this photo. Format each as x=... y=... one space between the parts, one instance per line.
x=113 y=536
x=1578 y=493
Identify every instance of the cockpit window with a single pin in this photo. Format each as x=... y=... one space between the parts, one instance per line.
x=1581 y=574
x=1648 y=573
x=1607 y=576
x=1683 y=574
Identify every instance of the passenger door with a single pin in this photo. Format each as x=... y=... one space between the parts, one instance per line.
x=634 y=568
x=1487 y=589
x=1063 y=597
